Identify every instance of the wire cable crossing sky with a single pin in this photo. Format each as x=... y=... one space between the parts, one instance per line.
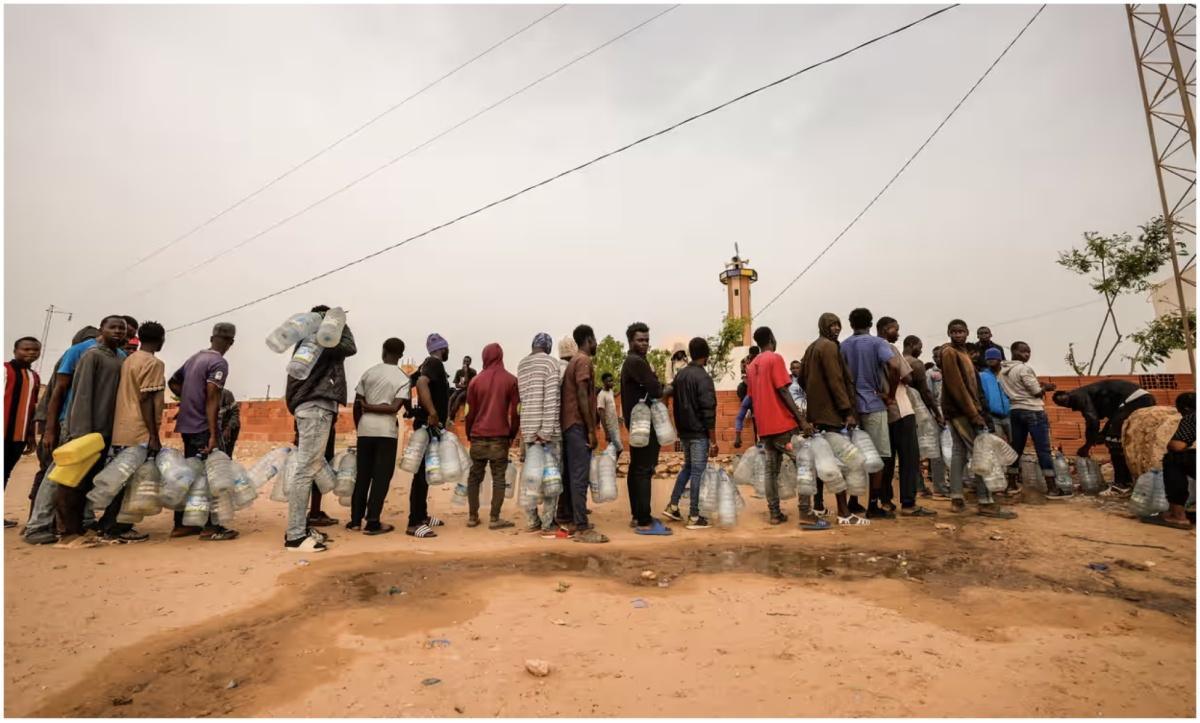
x=904 y=167
x=340 y=140
x=410 y=151
x=569 y=171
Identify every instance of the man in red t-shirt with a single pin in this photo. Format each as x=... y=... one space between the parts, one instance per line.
x=768 y=385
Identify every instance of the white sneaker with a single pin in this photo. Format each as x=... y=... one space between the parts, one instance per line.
x=308 y=544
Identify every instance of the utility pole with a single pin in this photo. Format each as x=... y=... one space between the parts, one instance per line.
x=50 y=312
x=1158 y=32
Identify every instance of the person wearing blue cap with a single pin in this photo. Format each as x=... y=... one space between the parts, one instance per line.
x=998 y=405
x=433 y=411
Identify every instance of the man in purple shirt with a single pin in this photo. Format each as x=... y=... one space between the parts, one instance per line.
x=868 y=357
x=198 y=384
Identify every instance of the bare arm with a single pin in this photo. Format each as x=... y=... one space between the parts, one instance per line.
x=425 y=399
x=211 y=407
x=149 y=417
x=62 y=384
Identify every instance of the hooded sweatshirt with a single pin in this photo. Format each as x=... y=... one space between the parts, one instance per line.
x=326 y=383
x=492 y=399
x=1022 y=386
x=826 y=379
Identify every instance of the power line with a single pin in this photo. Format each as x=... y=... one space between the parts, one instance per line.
x=904 y=167
x=1051 y=312
x=574 y=169
x=339 y=141
x=409 y=152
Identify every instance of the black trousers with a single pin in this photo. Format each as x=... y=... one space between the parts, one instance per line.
x=576 y=468
x=1177 y=467
x=903 y=436
x=642 y=461
x=1111 y=434
x=12 y=455
x=418 y=497
x=376 y=465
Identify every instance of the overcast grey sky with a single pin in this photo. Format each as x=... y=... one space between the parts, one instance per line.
x=127 y=126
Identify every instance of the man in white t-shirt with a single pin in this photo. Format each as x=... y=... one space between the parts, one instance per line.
x=606 y=404
x=383 y=390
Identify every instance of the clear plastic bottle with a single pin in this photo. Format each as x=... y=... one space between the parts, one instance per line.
x=460 y=494
x=346 y=500
x=871 y=458
x=726 y=502
x=448 y=453
x=177 y=477
x=826 y=464
x=433 y=464
x=552 y=484
x=326 y=478
x=304 y=359
x=660 y=418
x=283 y=480
x=806 y=480
x=414 y=451
x=329 y=333
x=223 y=507
x=347 y=472
x=708 y=490
x=1062 y=473
x=121 y=468
x=128 y=515
x=535 y=462
x=196 y=507
x=290 y=332
x=1090 y=480
x=510 y=480
x=268 y=466
x=946 y=440
x=1031 y=474
x=743 y=471
x=640 y=425
x=244 y=491
x=786 y=482
x=144 y=488
x=219 y=470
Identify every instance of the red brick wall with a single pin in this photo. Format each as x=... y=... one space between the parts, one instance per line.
x=269 y=421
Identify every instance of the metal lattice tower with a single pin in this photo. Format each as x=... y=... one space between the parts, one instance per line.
x=1164 y=49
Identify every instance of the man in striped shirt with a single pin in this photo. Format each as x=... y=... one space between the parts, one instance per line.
x=21 y=385
x=538 y=380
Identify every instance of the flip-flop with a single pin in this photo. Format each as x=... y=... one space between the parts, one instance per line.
x=1157 y=520
x=657 y=528
x=816 y=526
x=421 y=531
x=221 y=535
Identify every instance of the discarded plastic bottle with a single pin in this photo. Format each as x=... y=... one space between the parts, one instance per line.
x=414 y=452
x=304 y=359
x=329 y=333
x=290 y=332
x=640 y=424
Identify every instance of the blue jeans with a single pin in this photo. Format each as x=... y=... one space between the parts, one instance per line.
x=695 y=459
x=1032 y=424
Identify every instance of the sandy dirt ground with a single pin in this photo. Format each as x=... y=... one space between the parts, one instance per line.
x=903 y=618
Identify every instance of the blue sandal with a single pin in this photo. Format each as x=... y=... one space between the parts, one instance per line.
x=814 y=526
x=655 y=528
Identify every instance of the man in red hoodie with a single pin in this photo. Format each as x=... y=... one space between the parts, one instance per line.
x=492 y=422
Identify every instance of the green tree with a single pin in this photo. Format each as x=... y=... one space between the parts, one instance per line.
x=658 y=359
x=721 y=346
x=610 y=354
x=1116 y=265
x=1158 y=339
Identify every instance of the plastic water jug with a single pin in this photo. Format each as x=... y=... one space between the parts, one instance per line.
x=347 y=473
x=145 y=489
x=283 y=480
x=268 y=466
x=127 y=515
x=329 y=333
x=826 y=464
x=708 y=490
x=196 y=507
x=1031 y=474
x=607 y=467
x=433 y=463
x=1149 y=495
x=850 y=456
x=304 y=359
x=510 y=480
x=177 y=476
x=244 y=491
x=460 y=494
x=535 y=461
x=80 y=449
x=743 y=471
x=946 y=440
x=786 y=482
x=1090 y=480
x=346 y=500
x=1062 y=473
x=660 y=418
x=414 y=451
x=871 y=458
x=552 y=483
x=726 y=502
x=325 y=479
x=640 y=424
x=121 y=468
x=806 y=478
x=451 y=459
x=219 y=470
x=290 y=332
x=983 y=458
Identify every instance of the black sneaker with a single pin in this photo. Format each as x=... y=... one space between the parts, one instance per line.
x=778 y=518
x=672 y=513
x=855 y=508
x=126 y=537
x=42 y=537
x=878 y=513
x=698 y=523
x=352 y=525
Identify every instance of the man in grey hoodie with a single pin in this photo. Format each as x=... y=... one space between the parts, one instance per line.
x=1028 y=410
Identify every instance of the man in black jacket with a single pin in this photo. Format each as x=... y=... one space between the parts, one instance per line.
x=696 y=421
x=314 y=402
x=639 y=383
x=1114 y=400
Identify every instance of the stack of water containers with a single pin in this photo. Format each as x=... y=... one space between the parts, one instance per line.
x=309 y=334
